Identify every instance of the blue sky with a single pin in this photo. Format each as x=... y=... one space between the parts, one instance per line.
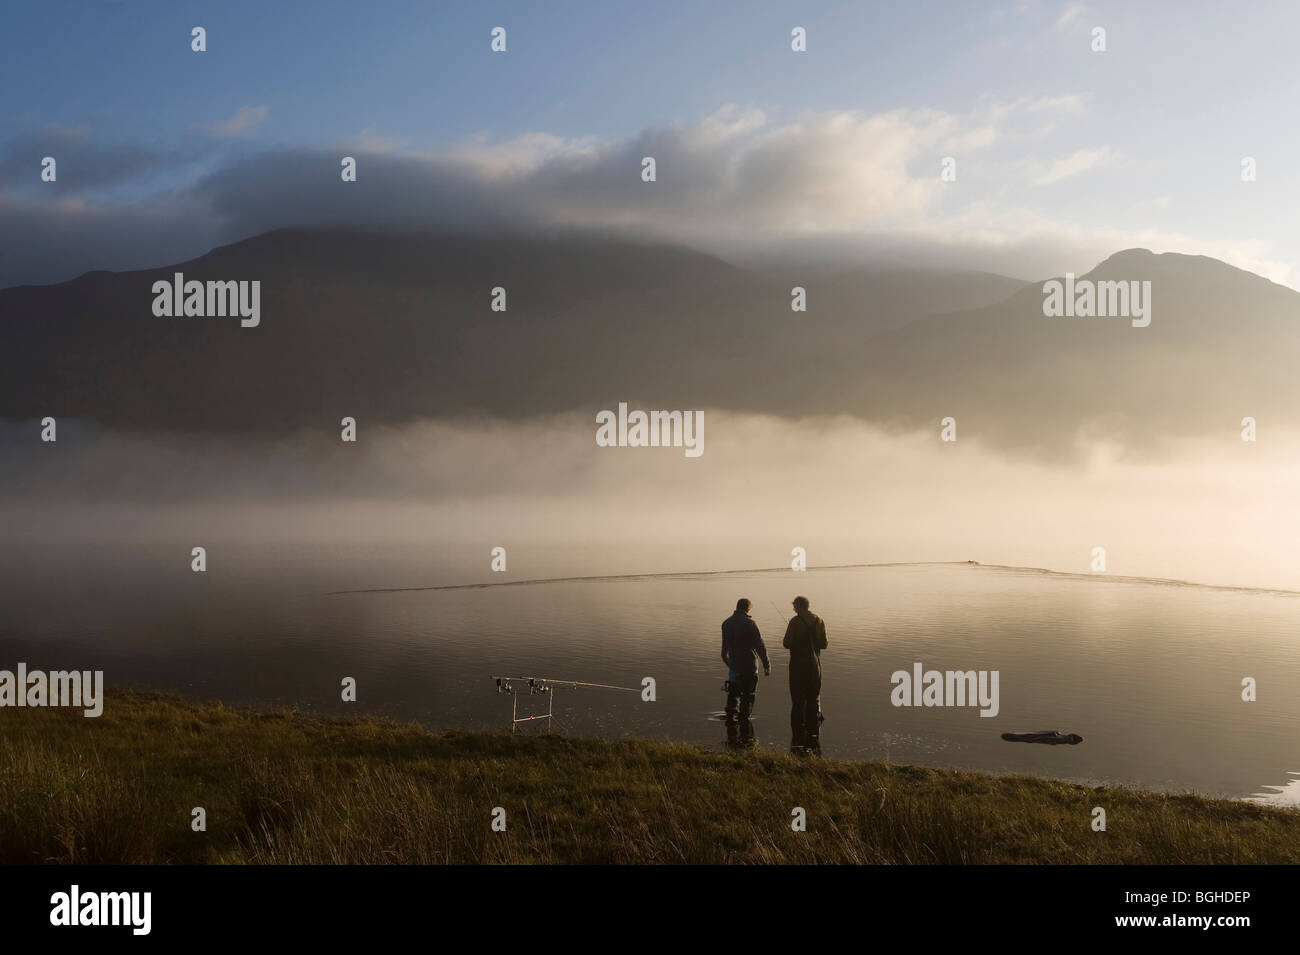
x=1063 y=154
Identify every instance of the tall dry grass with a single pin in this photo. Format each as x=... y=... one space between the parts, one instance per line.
x=290 y=788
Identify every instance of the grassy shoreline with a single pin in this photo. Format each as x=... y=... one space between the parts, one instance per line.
x=284 y=787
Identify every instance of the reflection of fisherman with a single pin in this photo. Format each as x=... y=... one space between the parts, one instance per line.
x=742 y=648
x=805 y=638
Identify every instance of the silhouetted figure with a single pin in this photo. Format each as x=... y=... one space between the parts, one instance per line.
x=805 y=638
x=742 y=648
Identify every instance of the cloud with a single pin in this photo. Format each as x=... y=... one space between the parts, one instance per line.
x=1154 y=203
x=244 y=121
x=729 y=175
x=737 y=182
x=518 y=156
x=62 y=239
x=1073 y=13
x=82 y=163
x=1074 y=164
x=370 y=141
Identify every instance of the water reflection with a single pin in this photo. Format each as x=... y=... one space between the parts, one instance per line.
x=1149 y=674
x=1288 y=794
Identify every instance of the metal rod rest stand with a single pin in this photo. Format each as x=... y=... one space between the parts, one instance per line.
x=505 y=684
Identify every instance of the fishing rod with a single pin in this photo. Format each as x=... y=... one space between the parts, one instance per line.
x=540 y=684
x=544 y=686
x=777 y=611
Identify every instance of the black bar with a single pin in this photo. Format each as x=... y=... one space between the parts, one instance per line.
x=991 y=906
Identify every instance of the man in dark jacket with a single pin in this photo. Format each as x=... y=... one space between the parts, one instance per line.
x=742 y=648
x=805 y=638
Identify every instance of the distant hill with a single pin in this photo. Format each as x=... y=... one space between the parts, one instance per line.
x=1222 y=344
x=389 y=327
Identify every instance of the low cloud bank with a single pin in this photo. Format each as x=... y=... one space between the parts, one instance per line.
x=1212 y=511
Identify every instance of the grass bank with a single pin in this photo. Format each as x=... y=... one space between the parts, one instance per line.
x=285 y=787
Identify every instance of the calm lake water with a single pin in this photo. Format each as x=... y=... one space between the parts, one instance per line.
x=1148 y=673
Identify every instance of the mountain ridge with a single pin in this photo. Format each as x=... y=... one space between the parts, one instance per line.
x=391 y=327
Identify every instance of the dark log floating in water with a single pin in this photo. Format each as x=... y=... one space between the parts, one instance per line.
x=1050 y=737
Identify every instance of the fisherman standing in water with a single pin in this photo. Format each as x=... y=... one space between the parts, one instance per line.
x=805 y=638
x=742 y=648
